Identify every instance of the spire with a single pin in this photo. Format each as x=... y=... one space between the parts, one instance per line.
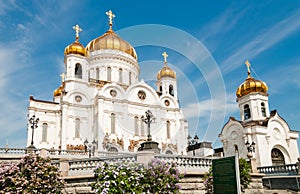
x=110 y=16
x=77 y=30
x=247 y=63
x=165 y=55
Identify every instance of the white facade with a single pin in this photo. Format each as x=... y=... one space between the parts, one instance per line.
x=102 y=99
x=275 y=142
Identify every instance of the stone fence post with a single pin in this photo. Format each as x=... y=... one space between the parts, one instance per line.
x=253 y=165
x=144 y=157
x=43 y=153
x=64 y=167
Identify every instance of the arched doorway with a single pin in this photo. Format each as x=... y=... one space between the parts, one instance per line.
x=277 y=157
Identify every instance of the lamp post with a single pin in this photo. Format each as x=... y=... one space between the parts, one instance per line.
x=250 y=148
x=193 y=144
x=149 y=144
x=148 y=119
x=90 y=147
x=33 y=124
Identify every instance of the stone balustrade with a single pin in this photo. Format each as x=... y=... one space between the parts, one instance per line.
x=188 y=163
x=88 y=165
x=15 y=151
x=289 y=169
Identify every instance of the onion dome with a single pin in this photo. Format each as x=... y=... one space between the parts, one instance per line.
x=166 y=71
x=58 y=91
x=110 y=40
x=76 y=47
x=251 y=85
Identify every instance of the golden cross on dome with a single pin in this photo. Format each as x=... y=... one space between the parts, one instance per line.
x=111 y=17
x=165 y=55
x=247 y=63
x=77 y=30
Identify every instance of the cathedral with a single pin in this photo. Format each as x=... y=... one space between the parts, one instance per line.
x=259 y=134
x=102 y=101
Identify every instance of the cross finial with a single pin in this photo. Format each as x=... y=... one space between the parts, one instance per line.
x=62 y=77
x=77 y=30
x=110 y=16
x=165 y=55
x=248 y=67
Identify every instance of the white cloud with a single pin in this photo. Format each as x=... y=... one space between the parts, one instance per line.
x=224 y=22
x=203 y=108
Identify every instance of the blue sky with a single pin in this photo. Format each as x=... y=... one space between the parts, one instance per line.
x=224 y=33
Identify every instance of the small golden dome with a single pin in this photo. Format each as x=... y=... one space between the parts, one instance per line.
x=166 y=71
x=251 y=85
x=75 y=48
x=58 y=91
x=110 y=40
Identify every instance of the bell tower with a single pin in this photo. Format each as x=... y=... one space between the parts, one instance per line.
x=75 y=59
x=166 y=80
x=252 y=98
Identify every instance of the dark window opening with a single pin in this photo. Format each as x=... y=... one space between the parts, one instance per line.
x=78 y=71
x=247 y=113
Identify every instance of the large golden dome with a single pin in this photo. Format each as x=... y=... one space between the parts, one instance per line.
x=166 y=71
x=110 y=40
x=251 y=85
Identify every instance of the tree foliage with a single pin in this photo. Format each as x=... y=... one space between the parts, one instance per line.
x=245 y=176
x=32 y=174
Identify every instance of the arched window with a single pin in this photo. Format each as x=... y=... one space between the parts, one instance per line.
x=169 y=152
x=112 y=149
x=44 y=132
x=277 y=157
x=168 y=130
x=142 y=129
x=78 y=70
x=136 y=126
x=109 y=74
x=120 y=75
x=129 y=78
x=263 y=109
x=171 y=90
x=97 y=73
x=113 y=123
x=160 y=88
x=77 y=128
x=247 y=113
